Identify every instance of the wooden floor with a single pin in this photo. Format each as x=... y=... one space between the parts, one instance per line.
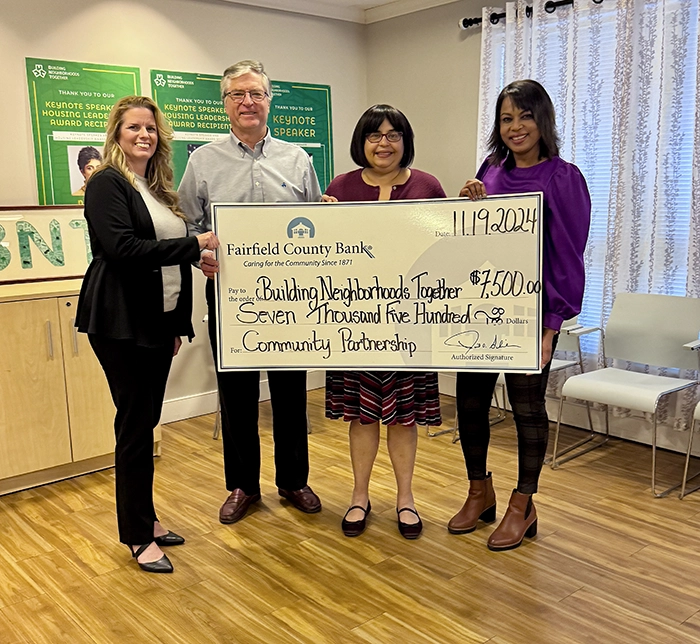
x=610 y=563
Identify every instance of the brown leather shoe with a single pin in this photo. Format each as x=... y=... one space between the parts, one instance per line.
x=480 y=504
x=237 y=504
x=304 y=499
x=519 y=521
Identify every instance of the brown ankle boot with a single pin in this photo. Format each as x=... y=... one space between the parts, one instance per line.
x=519 y=521
x=480 y=504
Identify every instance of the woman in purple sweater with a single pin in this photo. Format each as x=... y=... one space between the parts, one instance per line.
x=524 y=157
x=382 y=144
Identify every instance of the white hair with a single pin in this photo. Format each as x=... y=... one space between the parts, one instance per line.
x=244 y=67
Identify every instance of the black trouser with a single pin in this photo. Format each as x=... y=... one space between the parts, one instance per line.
x=239 y=392
x=137 y=377
x=526 y=396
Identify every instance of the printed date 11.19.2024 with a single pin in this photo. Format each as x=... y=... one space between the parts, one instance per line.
x=501 y=220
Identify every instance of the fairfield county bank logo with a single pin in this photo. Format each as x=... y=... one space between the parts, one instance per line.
x=159 y=80
x=39 y=71
x=301 y=228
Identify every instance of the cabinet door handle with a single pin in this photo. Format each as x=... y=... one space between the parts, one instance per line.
x=75 y=337
x=49 y=339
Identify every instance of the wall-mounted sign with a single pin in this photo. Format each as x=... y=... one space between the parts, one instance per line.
x=70 y=103
x=300 y=113
x=192 y=105
x=43 y=243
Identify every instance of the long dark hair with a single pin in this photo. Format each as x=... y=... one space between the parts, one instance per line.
x=525 y=95
x=370 y=121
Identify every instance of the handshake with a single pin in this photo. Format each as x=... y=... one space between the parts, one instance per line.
x=207 y=263
x=208 y=241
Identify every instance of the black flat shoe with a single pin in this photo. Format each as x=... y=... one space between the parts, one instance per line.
x=355 y=528
x=170 y=539
x=409 y=530
x=162 y=565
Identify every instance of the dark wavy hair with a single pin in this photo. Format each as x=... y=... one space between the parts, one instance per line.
x=525 y=95
x=86 y=155
x=370 y=121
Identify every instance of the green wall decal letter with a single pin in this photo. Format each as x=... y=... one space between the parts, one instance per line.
x=25 y=232
x=81 y=223
x=5 y=256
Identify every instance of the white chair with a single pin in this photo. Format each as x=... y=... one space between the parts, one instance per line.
x=686 y=480
x=570 y=341
x=643 y=329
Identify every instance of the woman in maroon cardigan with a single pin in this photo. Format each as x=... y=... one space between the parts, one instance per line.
x=382 y=144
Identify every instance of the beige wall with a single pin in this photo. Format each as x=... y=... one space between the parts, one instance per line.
x=400 y=61
x=199 y=36
x=202 y=36
x=411 y=59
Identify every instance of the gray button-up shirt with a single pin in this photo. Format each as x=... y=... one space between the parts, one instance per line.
x=229 y=171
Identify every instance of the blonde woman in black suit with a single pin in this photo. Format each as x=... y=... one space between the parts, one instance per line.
x=136 y=302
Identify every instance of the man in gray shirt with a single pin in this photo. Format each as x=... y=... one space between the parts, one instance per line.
x=251 y=166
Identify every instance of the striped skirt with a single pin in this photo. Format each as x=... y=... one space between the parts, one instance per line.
x=389 y=397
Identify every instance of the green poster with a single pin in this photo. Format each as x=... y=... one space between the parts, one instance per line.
x=192 y=105
x=300 y=113
x=70 y=103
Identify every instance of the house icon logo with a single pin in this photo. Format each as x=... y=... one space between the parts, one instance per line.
x=300 y=228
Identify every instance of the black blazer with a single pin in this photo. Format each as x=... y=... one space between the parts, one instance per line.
x=122 y=293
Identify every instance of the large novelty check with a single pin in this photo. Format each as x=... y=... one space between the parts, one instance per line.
x=446 y=284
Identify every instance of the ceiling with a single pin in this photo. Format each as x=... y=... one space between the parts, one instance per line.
x=362 y=11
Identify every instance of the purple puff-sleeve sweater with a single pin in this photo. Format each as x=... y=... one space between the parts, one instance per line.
x=351 y=187
x=567 y=217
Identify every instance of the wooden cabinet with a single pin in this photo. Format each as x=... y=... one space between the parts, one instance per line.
x=56 y=412
x=90 y=406
x=34 y=432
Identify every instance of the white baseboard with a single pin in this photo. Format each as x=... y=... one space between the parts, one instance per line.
x=205 y=402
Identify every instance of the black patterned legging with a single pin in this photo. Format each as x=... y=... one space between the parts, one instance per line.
x=526 y=395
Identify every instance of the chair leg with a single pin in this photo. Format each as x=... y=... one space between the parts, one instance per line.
x=556 y=435
x=217 y=420
x=658 y=495
x=686 y=480
x=595 y=444
x=501 y=408
x=440 y=432
x=455 y=436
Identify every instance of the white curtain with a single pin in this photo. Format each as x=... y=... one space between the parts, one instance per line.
x=624 y=77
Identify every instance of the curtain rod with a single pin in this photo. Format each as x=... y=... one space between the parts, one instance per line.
x=494 y=18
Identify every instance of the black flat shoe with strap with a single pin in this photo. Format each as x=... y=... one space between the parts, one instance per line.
x=355 y=528
x=162 y=565
x=170 y=539
x=409 y=530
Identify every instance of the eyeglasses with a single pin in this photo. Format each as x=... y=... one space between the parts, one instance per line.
x=239 y=97
x=392 y=137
